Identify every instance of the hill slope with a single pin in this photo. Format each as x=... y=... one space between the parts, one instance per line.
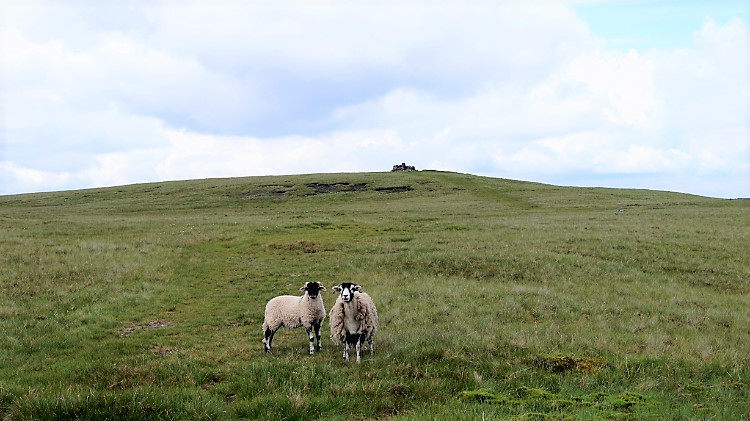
x=497 y=299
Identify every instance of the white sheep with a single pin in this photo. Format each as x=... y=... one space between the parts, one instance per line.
x=353 y=318
x=290 y=311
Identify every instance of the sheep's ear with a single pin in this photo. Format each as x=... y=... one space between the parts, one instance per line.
x=322 y=288
x=337 y=288
x=356 y=288
x=304 y=287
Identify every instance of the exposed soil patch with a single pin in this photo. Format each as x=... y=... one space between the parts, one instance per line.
x=304 y=246
x=263 y=193
x=161 y=350
x=558 y=363
x=153 y=324
x=394 y=189
x=267 y=190
x=320 y=188
x=336 y=187
x=358 y=187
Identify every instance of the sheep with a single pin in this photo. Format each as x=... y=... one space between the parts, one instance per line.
x=291 y=311
x=353 y=318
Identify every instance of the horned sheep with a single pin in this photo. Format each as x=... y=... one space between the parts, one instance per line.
x=292 y=312
x=353 y=318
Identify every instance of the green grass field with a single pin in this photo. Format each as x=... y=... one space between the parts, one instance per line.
x=498 y=299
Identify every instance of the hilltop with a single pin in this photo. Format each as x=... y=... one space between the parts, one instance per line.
x=497 y=298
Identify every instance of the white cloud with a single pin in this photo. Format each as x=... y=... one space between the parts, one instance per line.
x=623 y=82
x=710 y=83
x=591 y=152
x=222 y=156
x=94 y=95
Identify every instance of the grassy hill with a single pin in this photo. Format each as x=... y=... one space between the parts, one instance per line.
x=498 y=299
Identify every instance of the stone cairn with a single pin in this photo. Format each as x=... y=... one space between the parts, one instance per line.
x=403 y=167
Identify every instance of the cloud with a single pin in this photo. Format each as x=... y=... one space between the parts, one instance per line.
x=675 y=113
x=622 y=82
x=134 y=92
x=219 y=156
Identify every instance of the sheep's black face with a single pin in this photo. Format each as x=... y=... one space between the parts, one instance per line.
x=347 y=291
x=313 y=289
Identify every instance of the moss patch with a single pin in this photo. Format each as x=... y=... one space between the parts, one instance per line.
x=482 y=396
x=547 y=402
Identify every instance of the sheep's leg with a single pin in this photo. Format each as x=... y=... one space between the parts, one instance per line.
x=317 y=336
x=267 y=339
x=358 y=346
x=346 y=351
x=311 y=335
x=372 y=348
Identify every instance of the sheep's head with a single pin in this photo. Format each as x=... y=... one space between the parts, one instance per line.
x=347 y=290
x=313 y=288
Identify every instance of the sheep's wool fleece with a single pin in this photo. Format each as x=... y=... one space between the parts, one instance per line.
x=293 y=311
x=366 y=315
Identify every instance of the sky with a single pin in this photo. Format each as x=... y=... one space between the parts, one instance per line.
x=625 y=94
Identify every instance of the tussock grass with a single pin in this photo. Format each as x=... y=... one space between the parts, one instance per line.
x=497 y=300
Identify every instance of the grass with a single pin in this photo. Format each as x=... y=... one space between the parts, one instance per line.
x=497 y=299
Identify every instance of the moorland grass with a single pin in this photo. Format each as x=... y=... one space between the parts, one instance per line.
x=497 y=299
